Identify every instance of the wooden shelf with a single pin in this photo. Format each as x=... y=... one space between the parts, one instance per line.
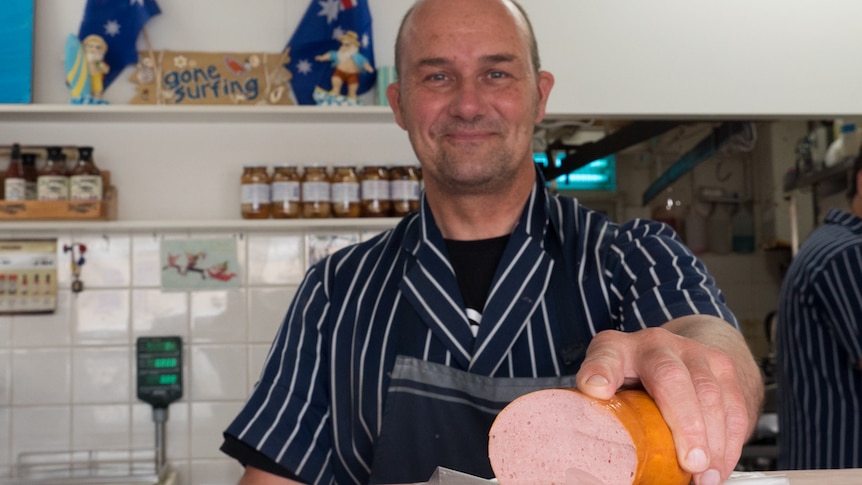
x=214 y=114
x=333 y=225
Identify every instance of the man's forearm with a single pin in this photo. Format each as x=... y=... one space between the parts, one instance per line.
x=716 y=333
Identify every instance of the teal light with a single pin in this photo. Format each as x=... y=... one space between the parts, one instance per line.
x=599 y=174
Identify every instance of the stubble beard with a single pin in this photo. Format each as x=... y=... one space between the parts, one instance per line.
x=475 y=172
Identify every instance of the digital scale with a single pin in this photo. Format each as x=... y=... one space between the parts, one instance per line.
x=160 y=381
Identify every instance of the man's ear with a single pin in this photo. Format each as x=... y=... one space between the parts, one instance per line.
x=393 y=94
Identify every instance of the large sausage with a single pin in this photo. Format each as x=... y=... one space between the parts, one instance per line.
x=564 y=437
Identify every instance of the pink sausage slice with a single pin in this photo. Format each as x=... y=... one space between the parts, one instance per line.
x=563 y=437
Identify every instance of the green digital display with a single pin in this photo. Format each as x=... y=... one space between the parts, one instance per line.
x=160 y=362
x=160 y=370
x=159 y=379
x=158 y=345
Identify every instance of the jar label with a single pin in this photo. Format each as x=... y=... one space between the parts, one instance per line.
x=345 y=192
x=405 y=190
x=15 y=189
x=52 y=187
x=375 y=190
x=285 y=191
x=85 y=187
x=315 y=191
x=255 y=194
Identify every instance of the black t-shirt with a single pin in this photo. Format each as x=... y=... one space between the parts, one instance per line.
x=475 y=263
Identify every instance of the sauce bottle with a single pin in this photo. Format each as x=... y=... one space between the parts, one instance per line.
x=85 y=179
x=286 y=201
x=28 y=163
x=255 y=202
x=376 y=200
x=315 y=188
x=345 y=192
x=52 y=182
x=14 y=185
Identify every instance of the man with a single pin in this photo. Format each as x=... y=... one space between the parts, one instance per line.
x=397 y=353
x=820 y=344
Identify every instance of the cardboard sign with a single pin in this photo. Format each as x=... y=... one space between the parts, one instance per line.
x=246 y=78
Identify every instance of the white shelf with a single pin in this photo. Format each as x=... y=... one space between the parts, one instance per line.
x=183 y=113
x=263 y=225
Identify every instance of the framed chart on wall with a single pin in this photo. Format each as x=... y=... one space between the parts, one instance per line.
x=28 y=276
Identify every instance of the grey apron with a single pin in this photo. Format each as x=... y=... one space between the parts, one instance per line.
x=435 y=415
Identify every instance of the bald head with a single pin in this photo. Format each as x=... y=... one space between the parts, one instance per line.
x=433 y=7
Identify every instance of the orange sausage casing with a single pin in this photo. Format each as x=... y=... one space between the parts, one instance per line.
x=564 y=437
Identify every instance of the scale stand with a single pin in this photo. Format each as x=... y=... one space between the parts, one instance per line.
x=160 y=382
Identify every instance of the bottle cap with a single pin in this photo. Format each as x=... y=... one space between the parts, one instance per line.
x=54 y=153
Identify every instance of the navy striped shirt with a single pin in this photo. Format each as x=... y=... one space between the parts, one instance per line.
x=819 y=350
x=317 y=409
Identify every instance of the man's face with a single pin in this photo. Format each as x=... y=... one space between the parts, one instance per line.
x=468 y=94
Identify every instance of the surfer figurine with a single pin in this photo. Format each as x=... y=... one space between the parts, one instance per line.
x=348 y=63
x=95 y=48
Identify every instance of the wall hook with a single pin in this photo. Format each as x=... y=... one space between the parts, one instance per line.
x=76 y=254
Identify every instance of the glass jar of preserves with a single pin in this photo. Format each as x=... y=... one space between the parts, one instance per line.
x=255 y=202
x=345 y=192
x=286 y=200
x=405 y=190
x=376 y=199
x=53 y=180
x=315 y=187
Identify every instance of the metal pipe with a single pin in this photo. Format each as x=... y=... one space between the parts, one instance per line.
x=160 y=416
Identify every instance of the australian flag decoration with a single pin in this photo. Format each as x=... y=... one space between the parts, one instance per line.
x=105 y=45
x=332 y=54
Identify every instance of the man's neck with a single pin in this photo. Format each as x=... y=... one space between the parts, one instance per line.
x=467 y=217
x=856 y=205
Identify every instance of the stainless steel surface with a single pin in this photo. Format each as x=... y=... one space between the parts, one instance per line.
x=88 y=467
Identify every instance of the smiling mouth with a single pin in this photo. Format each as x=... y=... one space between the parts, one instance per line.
x=468 y=137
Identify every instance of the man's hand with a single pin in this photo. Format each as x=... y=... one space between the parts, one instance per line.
x=256 y=476
x=703 y=378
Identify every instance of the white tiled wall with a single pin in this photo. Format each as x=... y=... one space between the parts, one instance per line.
x=66 y=378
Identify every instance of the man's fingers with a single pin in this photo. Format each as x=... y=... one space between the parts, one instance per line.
x=604 y=368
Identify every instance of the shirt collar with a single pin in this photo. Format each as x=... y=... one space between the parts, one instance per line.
x=844 y=218
x=534 y=217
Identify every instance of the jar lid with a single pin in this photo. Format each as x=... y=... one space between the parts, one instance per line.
x=254 y=165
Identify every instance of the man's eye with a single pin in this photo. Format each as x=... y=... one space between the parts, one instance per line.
x=497 y=75
x=436 y=77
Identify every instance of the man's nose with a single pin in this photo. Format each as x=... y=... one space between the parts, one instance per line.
x=469 y=100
